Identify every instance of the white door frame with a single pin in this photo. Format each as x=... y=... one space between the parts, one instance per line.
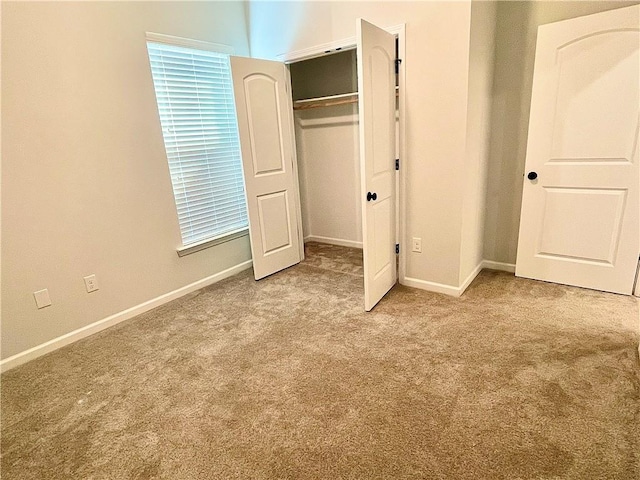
x=350 y=44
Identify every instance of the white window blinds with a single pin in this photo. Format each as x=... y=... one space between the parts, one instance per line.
x=198 y=118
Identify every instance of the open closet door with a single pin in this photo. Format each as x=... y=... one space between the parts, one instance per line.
x=579 y=221
x=377 y=108
x=265 y=126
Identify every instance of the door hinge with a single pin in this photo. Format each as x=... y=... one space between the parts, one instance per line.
x=397 y=164
x=397 y=248
x=398 y=62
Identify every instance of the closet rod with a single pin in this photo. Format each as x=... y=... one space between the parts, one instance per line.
x=330 y=101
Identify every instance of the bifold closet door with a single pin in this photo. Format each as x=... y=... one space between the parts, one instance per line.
x=265 y=125
x=376 y=54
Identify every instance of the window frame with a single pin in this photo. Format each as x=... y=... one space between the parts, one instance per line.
x=152 y=37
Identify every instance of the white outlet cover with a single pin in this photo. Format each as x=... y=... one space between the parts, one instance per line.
x=91 y=282
x=42 y=298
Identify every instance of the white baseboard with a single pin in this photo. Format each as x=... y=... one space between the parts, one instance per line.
x=333 y=241
x=504 y=267
x=471 y=277
x=431 y=286
x=96 y=327
x=441 y=287
x=457 y=291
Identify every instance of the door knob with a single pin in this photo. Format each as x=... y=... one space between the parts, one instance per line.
x=371 y=196
x=532 y=175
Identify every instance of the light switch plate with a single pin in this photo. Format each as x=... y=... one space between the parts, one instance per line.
x=416 y=245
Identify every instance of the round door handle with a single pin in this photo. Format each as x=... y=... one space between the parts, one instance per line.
x=532 y=175
x=372 y=196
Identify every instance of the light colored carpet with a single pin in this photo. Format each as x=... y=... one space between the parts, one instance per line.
x=289 y=378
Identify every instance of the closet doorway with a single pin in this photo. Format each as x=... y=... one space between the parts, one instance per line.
x=271 y=159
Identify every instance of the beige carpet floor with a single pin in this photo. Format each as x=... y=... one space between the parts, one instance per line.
x=288 y=378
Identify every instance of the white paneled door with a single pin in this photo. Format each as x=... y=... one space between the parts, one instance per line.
x=264 y=110
x=376 y=53
x=580 y=207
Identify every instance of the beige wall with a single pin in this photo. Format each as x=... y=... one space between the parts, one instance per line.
x=436 y=69
x=329 y=171
x=85 y=184
x=481 y=66
x=516 y=31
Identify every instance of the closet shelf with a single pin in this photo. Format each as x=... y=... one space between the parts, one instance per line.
x=329 y=101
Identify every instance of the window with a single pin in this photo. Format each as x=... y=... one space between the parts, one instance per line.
x=198 y=118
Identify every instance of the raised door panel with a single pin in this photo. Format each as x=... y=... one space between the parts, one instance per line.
x=275 y=224
x=265 y=128
x=596 y=115
x=592 y=233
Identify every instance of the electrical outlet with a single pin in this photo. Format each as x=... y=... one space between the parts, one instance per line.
x=42 y=298
x=416 y=245
x=91 y=283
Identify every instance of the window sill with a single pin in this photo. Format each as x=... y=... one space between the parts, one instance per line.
x=196 y=247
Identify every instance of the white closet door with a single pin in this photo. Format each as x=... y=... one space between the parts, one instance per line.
x=579 y=220
x=265 y=125
x=377 y=105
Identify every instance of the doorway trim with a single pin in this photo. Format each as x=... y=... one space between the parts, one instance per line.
x=335 y=46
